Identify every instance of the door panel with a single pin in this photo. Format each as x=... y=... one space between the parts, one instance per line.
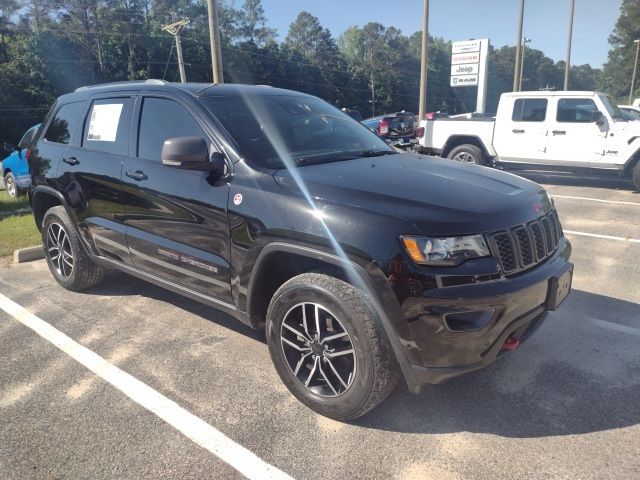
x=177 y=223
x=574 y=137
x=521 y=132
x=90 y=174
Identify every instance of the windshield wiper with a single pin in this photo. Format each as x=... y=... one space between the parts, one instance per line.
x=375 y=153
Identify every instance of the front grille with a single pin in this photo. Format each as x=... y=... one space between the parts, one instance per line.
x=525 y=246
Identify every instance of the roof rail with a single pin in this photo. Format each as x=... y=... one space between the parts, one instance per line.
x=150 y=81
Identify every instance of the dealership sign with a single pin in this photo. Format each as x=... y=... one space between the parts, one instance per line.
x=469 y=67
x=464 y=81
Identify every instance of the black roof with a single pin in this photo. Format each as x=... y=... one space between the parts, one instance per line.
x=196 y=89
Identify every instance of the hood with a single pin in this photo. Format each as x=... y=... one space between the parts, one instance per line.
x=439 y=197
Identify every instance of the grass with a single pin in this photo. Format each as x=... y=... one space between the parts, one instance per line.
x=8 y=204
x=18 y=231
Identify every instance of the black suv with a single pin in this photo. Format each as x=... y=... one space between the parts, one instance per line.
x=363 y=265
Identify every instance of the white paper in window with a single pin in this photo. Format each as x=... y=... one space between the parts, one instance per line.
x=103 y=125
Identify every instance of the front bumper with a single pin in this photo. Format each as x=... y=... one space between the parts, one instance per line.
x=440 y=349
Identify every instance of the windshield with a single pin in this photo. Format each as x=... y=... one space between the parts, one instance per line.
x=611 y=107
x=270 y=130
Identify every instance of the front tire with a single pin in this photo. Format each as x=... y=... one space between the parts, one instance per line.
x=328 y=347
x=467 y=154
x=69 y=263
x=636 y=176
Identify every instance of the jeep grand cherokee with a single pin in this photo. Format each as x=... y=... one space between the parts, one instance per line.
x=363 y=265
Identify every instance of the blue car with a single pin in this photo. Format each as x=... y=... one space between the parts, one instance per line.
x=15 y=170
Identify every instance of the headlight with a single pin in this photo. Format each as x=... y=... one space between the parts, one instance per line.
x=448 y=251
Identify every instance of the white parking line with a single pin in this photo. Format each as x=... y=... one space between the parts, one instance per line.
x=197 y=430
x=616 y=327
x=588 y=199
x=607 y=237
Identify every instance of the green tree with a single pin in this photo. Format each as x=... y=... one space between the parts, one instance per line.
x=617 y=71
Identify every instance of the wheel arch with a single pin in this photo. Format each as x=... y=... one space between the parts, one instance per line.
x=457 y=140
x=367 y=277
x=43 y=198
x=632 y=162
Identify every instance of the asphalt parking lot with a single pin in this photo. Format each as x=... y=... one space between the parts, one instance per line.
x=564 y=405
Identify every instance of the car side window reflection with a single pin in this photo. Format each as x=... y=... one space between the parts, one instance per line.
x=160 y=120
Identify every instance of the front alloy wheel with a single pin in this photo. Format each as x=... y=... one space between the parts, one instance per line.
x=318 y=349
x=59 y=250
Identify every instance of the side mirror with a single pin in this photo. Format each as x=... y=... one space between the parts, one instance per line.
x=598 y=118
x=190 y=153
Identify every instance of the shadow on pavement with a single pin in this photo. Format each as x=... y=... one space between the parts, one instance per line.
x=605 y=180
x=572 y=377
x=117 y=283
x=552 y=385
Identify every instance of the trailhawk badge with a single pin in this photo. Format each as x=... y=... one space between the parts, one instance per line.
x=237 y=199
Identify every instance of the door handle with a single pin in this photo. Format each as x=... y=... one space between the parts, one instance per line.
x=517 y=130
x=136 y=175
x=71 y=160
x=559 y=132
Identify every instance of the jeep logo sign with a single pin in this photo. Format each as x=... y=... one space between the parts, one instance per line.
x=466 y=69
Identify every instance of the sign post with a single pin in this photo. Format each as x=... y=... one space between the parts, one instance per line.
x=469 y=67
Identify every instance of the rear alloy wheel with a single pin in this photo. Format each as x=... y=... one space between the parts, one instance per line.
x=467 y=154
x=66 y=257
x=328 y=347
x=11 y=185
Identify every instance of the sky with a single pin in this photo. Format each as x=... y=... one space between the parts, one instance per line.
x=545 y=21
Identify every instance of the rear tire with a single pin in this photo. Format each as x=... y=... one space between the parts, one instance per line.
x=636 y=176
x=69 y=263
x=316 y=368
x=467 y=154
x=11 y=186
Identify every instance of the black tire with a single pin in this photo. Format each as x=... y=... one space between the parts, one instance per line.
x=11 y=185
x=71 y=267
x=636 y=176
x=467 y=154
x=375 y=371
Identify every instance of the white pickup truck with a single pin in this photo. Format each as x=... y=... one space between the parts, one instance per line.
x=550 y=130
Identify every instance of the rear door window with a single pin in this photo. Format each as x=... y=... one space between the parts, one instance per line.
x=27 y=138
x=529 y=110
x=106 y=126
x=65 y=123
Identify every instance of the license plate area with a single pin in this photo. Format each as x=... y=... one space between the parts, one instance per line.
x=560 y=287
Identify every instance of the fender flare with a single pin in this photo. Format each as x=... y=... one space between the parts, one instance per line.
x=371 y=281
x=488 y=151
x=44 y=189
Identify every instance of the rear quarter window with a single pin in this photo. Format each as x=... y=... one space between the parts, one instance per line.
x=65 y=123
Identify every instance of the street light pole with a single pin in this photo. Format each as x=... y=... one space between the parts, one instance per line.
x=567 y=64
x=524 y=47
x=516 y=70
x=214 y=40
x=635 y=66
x=424 y=61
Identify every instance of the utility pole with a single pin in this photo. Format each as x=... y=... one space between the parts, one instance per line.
x=175 y=29
x=424 y=61
x=567 y=65
x=635 y=66
x=524 y=48
x=214 y=40
x=516 y=70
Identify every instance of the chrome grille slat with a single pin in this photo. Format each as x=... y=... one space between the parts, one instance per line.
x=524 y=246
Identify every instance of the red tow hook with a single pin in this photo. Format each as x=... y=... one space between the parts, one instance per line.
x=511 y=343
